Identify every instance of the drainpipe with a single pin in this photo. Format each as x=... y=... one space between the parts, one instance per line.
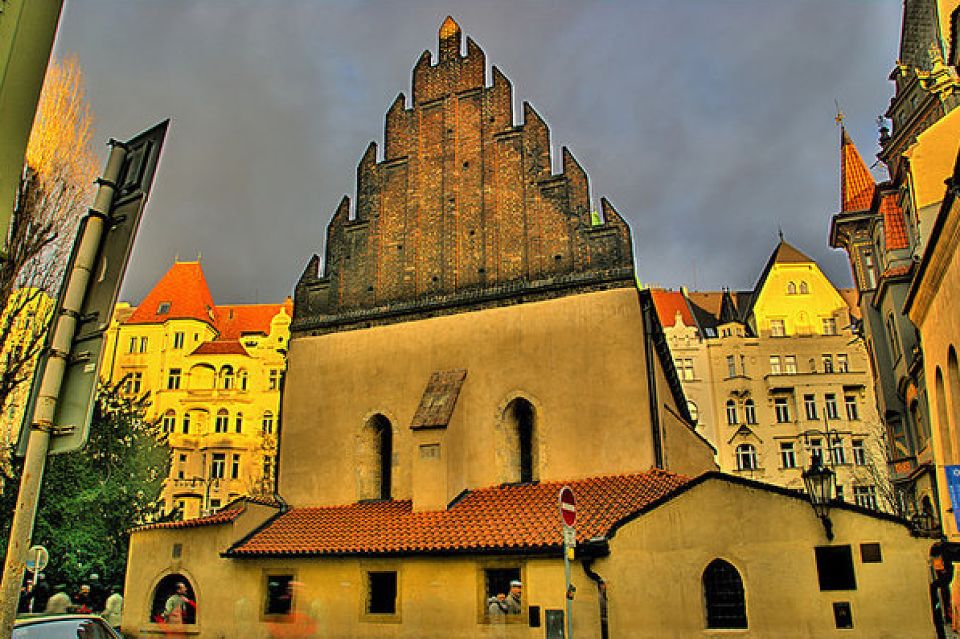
x=592 y=549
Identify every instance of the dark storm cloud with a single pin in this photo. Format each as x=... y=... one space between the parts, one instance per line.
x=707 y=124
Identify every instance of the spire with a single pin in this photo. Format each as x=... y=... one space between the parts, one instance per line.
x=728 y=308
x=856 y=183
x=450 y=36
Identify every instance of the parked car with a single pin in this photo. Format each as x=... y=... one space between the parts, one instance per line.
x=64 y=627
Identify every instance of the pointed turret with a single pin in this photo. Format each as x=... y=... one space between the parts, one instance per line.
x=856 y=183
x=728 y=308
x=450 y=36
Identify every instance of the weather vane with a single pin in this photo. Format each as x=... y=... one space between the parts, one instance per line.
x=839 y=117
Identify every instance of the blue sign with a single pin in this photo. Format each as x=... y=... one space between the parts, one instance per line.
x=953 y=485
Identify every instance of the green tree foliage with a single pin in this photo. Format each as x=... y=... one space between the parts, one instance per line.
x=90 y=499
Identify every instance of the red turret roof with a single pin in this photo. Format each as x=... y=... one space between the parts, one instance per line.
x=856 y=183
x=668 y=304
x=894 y=225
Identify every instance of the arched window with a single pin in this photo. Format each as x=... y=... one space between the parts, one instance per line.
x=186 y=423
x=723 y=596
x=223 y=421
x=804 y=289
x=226 y=377
x=731 y=412
x=694 y=412
x=169 y=421
x=520 y=454
x=953 y=394
x=174 y=601
x=267 y=423
x=242 y=380
x=750 y=411
x=746 y=457
x=375 y=464
x=239 y=422
x=791 y=289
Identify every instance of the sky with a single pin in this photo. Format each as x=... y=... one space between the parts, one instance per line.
x=709 y=124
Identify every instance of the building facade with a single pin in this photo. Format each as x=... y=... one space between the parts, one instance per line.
x=475 y=341
x=213 y=374
x=785 y=377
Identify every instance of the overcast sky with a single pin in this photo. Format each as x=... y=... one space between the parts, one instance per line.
x=706 y=123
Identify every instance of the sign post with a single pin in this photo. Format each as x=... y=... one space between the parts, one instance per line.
x=57 y=416
x=39 y=557
x=568 y=514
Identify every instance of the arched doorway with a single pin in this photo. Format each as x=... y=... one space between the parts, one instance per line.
x=174 y=601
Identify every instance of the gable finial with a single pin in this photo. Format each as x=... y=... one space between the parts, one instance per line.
x=839 y=117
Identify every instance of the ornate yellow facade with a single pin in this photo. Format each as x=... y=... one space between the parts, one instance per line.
x=213 y=374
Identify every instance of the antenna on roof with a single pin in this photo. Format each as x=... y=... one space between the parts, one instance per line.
x=780 y=231
x=199 y=255
x=176 y=258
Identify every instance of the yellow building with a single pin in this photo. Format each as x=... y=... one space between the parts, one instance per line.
x=474 y=342
x=213 y=374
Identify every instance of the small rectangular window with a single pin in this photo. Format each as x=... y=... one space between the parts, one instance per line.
x=178 y=340
x=835 y=568
x=790 y=364
x=829 y=326
x=163 y=308
x=775 y=365
x=833 y=411
x=778 y=328
x=498 y=600
x=143 y=344
x=842 y=616
x=853 y=413
x=870 y=553
x=731 y=366
x=235 y=467
x=827 y=363
x=279 y=595
x=173 y=379
x=382 y=593
x=788 y=456
x=782 y=410
x=810 y=406
x=843 y=365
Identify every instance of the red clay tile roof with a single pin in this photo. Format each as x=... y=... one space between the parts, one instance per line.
x=235 y=320
x=668 y=304
x=856 y=182
x=225 y=516
x=894 y=225
x=220 y=347
x=185 y=289
x=502 y=517
x=896 y=271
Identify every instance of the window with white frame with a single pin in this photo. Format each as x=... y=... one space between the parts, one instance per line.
x=865 y=496
x=810 y=406
x=832 y=411
x=775 y=365
x=853 y=413
x=173 y=379
x=788 y=456
x=747 y=457
x=731 y=412
x=223 y=421
x=859 y=452
x=143 y=344
x=782 y=410
x=790 y=364
x=837 y=453
x=178 y=340
x=843 y=366
x=829 y=326
x=815 y=450
x=169 y=421
x=827 y=363
x=267 y=423
x=778 y=328
x=217 y=465
x=731 y=366
x=750 y=411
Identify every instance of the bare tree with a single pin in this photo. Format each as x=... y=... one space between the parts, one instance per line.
x=876 y=471
x=55 y=188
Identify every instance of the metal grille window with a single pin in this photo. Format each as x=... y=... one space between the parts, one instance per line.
x=750 y=410
x=782 y=409
x=746 y=457
x=832 y=411
x=810 y=406
x=724 y=596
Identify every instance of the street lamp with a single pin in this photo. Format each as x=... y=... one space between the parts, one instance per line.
x=820 y=483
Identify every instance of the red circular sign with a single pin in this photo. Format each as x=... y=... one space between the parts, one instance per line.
x=568 y=506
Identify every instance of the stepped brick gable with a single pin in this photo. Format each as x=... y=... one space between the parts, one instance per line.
x=462 y=212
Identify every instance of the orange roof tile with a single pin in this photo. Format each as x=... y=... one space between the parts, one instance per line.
x=856 y=182
x=236 y=319
x=896 y=271
x=184 y=292
x=894 y=224
x=502 y=517
x=220 y=347
x=668 y=304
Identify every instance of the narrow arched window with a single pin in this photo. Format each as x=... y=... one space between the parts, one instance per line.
x=723 y=596
x=384 y=439
x=804 y=288
x=791 y=289
x=694 y=412
x=223 y=421
x=239 y=423
x=746 y=457
x=731 y=412
x=750 y=410
x=375 y=462
x=226 y=376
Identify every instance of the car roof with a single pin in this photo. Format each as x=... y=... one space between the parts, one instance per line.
x=42 y=618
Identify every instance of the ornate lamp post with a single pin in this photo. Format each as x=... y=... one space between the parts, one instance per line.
x=820 y=483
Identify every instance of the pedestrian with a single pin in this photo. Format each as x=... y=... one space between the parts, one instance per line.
x=497 y=606
x=26 y=597
x=177 y=605
x=98 y=596
x=41 y=594
x=82 y=600
x=60 y=602
x=113 y=608
x=513 y=599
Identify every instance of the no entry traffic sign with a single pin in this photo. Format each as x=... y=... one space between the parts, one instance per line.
x=568 y=506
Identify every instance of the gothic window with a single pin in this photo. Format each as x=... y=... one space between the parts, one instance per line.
x=376 y=459
x=723 y=595
x=747 y=457
x=520 y=438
